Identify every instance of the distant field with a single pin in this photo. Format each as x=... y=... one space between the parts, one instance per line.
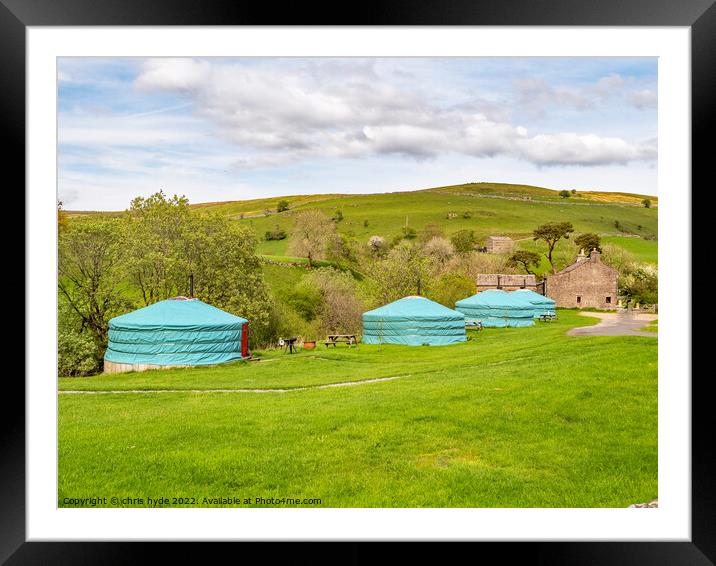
x=643 y=250
x=513 y=418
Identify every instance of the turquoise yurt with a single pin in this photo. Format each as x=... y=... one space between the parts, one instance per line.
x=497 y=308
x=177 y=332
x=543 y=305
x=413 y=321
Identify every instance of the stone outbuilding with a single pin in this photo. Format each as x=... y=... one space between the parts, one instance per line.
x=506 y=282
x=586 y=283
x=499 y=245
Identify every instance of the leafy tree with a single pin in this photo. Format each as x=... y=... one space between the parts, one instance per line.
x=282 y=206
x=464 y=241
x=525 y=260
x=588 y=242
x=153 y=229
x=404 y=271
x=88 y=254
x=646 y=202
x=573 y=191
x=450 y=288
x=565 y=194
x=313 y=231
x=221 y=254
x=551 y=233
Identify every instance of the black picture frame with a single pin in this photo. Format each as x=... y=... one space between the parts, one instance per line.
x=698 y=15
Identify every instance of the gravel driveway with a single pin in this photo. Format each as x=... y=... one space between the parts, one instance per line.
x=622 y=323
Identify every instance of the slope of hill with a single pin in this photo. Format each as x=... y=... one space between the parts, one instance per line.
x=486 y=208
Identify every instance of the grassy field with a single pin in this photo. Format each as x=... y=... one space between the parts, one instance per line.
x=492 y=209
x=513 y=418
x=643 y=250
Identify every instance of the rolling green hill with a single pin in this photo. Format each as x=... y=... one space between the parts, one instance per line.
x=488 y=209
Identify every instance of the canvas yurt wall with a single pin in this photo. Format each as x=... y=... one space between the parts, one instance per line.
x=497 y=308
x=543 y=305
x=413 y=321
x=175 y=333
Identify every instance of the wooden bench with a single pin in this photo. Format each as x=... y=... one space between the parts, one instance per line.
x=548 y=317
x=476 y=325
x=333 y=339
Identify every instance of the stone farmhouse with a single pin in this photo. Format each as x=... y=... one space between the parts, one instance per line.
x=586 y=283
x=499 y=245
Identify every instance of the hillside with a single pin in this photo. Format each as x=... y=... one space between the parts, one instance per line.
x=486 y=208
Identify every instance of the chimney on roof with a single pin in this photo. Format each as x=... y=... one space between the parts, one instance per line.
x=581 y=255
x=594 y=256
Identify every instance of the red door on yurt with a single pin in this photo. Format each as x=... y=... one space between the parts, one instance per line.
x=245 y=340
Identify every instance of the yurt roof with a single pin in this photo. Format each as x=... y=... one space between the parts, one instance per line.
x=495 y=298
x=533 y=297
x=178 y=313
x=414 y=307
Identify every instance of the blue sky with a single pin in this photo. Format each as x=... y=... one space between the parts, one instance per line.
x=238 y=128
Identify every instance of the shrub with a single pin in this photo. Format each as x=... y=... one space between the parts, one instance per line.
x=464 y=241
x=450 y=288
x=277 y=234
x=565 y=194
x=409 y=233
x=440 y=249
x=77 y=354
x=282 y=205
x=467 y=214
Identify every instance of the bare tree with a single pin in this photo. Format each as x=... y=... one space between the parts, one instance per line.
x=312 y=235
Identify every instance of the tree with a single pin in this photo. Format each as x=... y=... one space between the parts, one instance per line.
x=573 y=191
x=153 y=229
x=524 y=259
x=440 y=249
x=565 y=194
x=646 y=202
x=551 y=233
x=588 y=242
x=88 y=254
x=61 y=216
x=312 y=233
x=340 y=308
x=464 y=241
x=404 y=271
x=282 y=205
x=450 y=288
x=377 y=245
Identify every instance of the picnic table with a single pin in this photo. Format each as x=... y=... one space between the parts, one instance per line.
x=333 y=339
x=548 y=316
x=476 y=324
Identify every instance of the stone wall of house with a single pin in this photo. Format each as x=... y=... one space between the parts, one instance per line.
x=586 y=283
x=506 y=282
x=499 y=245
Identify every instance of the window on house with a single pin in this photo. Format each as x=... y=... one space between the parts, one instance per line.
x=609 y=300
x=579 y=299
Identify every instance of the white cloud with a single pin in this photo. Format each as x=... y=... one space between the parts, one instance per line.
x=281 y=115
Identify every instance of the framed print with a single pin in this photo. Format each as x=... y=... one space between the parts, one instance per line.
x=393 y=279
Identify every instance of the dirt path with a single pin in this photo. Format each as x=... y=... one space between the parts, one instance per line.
x=623 y=323
x=326 y=386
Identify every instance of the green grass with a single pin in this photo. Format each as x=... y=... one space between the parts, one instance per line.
x=387 y=214
x=643 y=250
x=513 y=418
